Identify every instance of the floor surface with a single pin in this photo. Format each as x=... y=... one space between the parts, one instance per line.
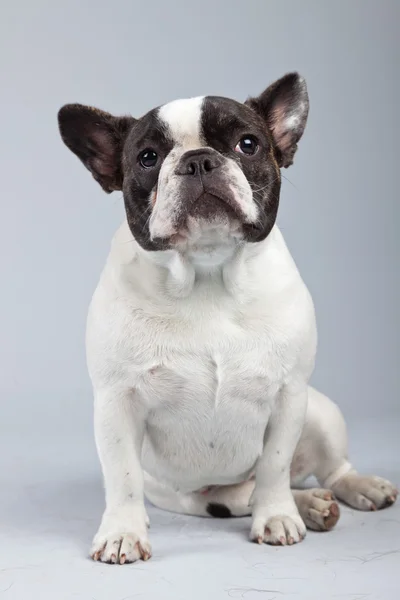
x=51 y=501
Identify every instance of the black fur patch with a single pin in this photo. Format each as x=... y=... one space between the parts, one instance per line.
x=224 y=122
x=138 y=183
x=219 y=511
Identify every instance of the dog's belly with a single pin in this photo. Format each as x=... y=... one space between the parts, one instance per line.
x=208 y=419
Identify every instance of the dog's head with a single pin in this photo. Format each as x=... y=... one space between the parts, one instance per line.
x=203 y=170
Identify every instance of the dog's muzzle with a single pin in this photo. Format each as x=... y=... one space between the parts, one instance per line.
x=204 y=187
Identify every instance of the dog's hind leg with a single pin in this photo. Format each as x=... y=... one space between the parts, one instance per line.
x=216 y=501
x=322 y=451
x=317 y=507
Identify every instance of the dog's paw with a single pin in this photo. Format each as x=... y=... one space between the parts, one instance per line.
x=279 y=530
x=318 y=508
x=122 y=538
x=365 y=492
x=120 y=548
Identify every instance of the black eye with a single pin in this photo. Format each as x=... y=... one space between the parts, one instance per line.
x=247 y=145
x=148 y=158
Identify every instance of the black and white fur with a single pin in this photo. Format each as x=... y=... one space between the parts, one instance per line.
x=201 y=334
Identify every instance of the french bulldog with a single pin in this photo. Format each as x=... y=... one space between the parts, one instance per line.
x=201 y=334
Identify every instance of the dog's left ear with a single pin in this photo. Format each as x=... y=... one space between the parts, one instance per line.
x=284 y=106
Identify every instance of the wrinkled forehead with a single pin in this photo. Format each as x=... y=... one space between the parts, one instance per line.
x=193 y=122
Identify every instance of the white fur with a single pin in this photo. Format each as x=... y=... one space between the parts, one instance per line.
x=186 y=384
x=183 y=118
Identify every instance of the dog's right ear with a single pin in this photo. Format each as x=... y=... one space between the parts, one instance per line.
x=97 y=138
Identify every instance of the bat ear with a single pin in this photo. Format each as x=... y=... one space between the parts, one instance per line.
x=97 y=138
x=284 y=106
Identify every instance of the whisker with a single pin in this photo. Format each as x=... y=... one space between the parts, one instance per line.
x=291 y=183
x=148 y=219
x=261 y=189
x=118 y=199
x=148 y=210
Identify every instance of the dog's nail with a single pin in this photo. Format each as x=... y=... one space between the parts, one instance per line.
x=122 y=559
x=290 y=541
x=282 y=541
x=146 y=556
x=334 y=510
x=373 y=507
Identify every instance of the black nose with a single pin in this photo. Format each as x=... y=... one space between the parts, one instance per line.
x=199 y=162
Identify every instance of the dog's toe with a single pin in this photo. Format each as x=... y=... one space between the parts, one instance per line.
x=365 y=492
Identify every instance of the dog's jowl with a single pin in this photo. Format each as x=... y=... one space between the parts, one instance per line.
x=201 y=334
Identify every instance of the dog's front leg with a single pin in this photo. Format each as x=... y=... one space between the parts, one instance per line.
x=119 y=429
x=276 y=519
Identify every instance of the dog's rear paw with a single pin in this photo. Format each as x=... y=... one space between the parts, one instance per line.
x=318 y=508
x=365 y=492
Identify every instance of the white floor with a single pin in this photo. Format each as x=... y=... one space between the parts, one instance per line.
x=51 y=502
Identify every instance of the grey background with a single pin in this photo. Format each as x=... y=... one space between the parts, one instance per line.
x=339 y=214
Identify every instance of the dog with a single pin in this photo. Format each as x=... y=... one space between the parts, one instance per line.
x=201 y=334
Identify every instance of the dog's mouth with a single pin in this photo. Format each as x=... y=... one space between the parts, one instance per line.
x=208 y=216
x=210 y=207
x=211 y=214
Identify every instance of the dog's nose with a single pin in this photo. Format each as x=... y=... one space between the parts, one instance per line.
x=199 y=162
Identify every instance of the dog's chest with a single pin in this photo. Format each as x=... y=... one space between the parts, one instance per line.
x=206 y=362
x=210 y=390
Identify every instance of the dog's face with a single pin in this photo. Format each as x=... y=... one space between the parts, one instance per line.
x=194 y=170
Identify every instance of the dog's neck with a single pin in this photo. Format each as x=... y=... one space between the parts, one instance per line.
x=174 y=273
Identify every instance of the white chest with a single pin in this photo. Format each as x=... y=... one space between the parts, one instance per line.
x=210 y=392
